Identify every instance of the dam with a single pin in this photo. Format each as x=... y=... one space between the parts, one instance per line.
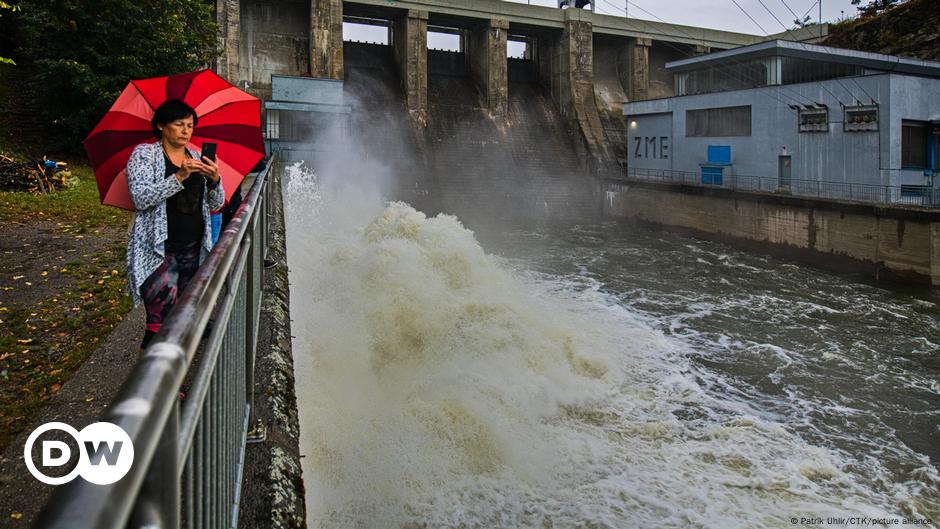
x=480 y=346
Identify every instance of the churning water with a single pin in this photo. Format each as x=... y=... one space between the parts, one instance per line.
x=596 y=377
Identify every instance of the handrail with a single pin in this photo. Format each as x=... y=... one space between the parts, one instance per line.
x=147 y=404
x=920 y=196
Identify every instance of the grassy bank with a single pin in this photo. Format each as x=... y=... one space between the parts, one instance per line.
x=62 y=284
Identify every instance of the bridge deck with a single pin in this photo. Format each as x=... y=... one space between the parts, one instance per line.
x=529 y=16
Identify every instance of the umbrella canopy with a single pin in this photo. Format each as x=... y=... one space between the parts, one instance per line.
x=227 y=116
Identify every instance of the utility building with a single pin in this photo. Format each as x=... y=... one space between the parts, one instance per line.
x=793 y=117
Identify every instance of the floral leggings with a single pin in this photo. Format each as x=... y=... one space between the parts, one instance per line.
x=165 y=285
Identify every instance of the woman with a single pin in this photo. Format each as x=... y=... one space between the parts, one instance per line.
x=173 y=189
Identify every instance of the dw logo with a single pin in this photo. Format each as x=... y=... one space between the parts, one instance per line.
x=105 y=453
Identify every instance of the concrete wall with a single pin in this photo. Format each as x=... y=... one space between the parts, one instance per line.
x=486 y=46
x=274 y=39
x=463 y=160
x=912 y=98
x=326 y=39
x=888 y=242
x=834 y=156
x=661 y=81
x=649 y=141
x=610 y=82
x=410 y=46
x=566 y=65
x=228 y=16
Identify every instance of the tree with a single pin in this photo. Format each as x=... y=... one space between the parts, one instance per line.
x=802 y=23
x=84 y=53
x=875 y=7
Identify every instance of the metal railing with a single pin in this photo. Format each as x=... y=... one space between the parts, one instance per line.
x=189 y=454
x=923 y=196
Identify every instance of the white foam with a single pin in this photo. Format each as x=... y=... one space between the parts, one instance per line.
x=439 y=387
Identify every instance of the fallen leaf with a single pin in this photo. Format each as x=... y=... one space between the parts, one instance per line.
x=63 y=270
x=44 y=273
x=55 y=388
x=54 y=372
x=29 y=284
x=18 y=277
x=16 y=515
x=27 y=341
x=89 y=399
x=4 y=356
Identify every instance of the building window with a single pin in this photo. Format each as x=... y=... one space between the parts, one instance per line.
x=814 y=120
x=796 y=70
x=274 y=124
x=913 y=145
x=718 y=122
x=861 y=118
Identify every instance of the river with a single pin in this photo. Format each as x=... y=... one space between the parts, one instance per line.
x=597 y=376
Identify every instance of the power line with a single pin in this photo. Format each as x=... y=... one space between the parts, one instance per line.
x=808 y=11
x=796 y=18
x=750 y=17
x=838 y=80
x=742 y=77
x=761 y=2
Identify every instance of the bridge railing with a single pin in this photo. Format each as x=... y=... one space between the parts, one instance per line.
x=922 y=196
x=189 y=449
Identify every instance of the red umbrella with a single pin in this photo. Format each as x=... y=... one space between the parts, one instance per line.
x=227 y=116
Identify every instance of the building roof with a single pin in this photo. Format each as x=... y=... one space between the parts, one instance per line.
x=786 y=48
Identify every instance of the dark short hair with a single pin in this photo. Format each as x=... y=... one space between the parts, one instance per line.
x=171 y=110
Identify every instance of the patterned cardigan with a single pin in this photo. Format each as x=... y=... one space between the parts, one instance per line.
x=149 y=190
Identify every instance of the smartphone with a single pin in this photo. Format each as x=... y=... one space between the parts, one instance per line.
x=208 y=150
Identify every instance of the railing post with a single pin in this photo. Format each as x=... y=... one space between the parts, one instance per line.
x=252 y=277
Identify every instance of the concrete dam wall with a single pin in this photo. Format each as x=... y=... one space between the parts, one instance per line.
x=459 y=158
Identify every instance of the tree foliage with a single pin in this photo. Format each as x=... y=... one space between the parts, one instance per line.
x=802 y=22
x=875 y=7
x=6 y=7
x=84 y=53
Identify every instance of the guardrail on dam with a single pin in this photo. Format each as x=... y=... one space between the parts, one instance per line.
x=190 y=455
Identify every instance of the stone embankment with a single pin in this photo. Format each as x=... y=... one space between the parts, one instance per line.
x=912 y=29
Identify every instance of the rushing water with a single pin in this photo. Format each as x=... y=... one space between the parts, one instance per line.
x=597 y=376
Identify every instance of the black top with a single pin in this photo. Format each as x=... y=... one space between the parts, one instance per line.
x=184 y=222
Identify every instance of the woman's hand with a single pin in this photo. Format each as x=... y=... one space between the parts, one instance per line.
x=189 y=167
x=210 y=169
